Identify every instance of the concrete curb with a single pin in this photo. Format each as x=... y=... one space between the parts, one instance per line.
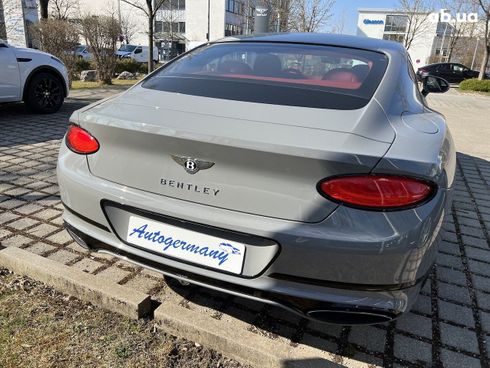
x=81 y=285
x=240 y=343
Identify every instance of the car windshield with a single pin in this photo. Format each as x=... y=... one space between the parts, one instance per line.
x=276 y=73
x=127 y=48
x=80 y=49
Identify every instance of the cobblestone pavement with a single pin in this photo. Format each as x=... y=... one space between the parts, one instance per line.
x=449 y=325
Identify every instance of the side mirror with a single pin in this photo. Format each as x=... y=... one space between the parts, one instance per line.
x=432 y=84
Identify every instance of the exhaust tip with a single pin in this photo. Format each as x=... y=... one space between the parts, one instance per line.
x=75 y=237
x=349 y=317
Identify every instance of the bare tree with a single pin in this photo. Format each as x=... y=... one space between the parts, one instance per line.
x=417 y=13
x=43 y=8
x=59 y=38
x=10 y=16
x=64 y=9
x=458 y=27
x=102 y=34
x=485 y=8
x=280 y=14
x=129 y=27
x=149 y=8
x=309 y=15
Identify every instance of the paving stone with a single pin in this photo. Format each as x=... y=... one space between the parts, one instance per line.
x=479 y=254
x=485 y=321
x=61 y=237
x=479 y=267
x=63 y=256
x=319 y=343
x=412 y=350
x=7 y=216
x=23 y=223
x=415 y=324
x=29 y=209
x=482 y=283
x=372 y=338
x=47 y=214
x=4 y=233
x=451 y=359
x=142 y=283
x=77 y=248
x=451 y=276
x=456 y=313
x=16 y=241
x=42 y=230
x=87 y=265
x=40 y=248
x=57 y=221
x=11 y=204
x=114 y=273
x=459 y=337
x=422 y=305
x=453 y=293
x=483 y=299
x=449 y=261
x=452 y=248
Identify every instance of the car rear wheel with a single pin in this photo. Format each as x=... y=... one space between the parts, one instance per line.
x=44 y=93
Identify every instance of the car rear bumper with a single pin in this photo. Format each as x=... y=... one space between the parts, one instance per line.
x=354 y=263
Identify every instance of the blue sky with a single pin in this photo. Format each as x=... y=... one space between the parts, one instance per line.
x=349 y=9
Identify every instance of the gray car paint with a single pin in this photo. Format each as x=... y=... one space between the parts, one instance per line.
x=317 y=238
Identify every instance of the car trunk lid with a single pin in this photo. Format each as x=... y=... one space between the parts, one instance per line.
x=267 y=160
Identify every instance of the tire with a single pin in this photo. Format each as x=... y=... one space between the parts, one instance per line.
x=44 y=93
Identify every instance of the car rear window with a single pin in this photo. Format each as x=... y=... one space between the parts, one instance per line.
x=275 y=73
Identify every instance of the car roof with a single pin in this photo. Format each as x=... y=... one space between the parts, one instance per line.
x=323 y=39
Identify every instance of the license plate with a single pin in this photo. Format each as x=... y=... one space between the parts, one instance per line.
x=187 y=245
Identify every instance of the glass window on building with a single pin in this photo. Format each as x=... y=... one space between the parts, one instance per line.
x=235 y=6
x=394 y=37
x=167 y=27
x=174 y=5
x=396 y=23
x=233 y=29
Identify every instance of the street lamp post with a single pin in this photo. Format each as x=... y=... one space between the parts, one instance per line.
x=209 y=21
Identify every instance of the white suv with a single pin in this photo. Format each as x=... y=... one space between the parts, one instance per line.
x=37 y=78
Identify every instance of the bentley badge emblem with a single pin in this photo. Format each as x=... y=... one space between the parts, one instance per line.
x=192 y=165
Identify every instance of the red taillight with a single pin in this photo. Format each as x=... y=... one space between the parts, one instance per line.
x=377 y=191
x=81 y=141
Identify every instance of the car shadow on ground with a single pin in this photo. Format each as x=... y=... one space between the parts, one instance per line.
x=19 y=126
x=418 y=338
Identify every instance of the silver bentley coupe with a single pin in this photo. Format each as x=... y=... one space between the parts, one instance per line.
x=302 y=170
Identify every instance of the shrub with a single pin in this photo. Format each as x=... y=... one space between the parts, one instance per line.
x=82 y=64
x=130 y=65
x=475 y=85
x=102 y=34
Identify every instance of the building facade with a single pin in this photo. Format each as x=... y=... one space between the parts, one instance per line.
x=184 y=24
x=437 y=39
x=389 y=24
x=16 y=18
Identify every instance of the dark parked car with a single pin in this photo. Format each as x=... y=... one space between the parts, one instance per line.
x=452 y=72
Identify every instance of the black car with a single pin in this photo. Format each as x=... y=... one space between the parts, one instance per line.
x=452 y=72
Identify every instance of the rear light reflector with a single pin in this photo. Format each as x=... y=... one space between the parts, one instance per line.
x=378 y=192
x=80 y=141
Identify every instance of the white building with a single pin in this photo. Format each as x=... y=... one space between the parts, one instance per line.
x=389 y=24
x=432 y=41
x=185 y=24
